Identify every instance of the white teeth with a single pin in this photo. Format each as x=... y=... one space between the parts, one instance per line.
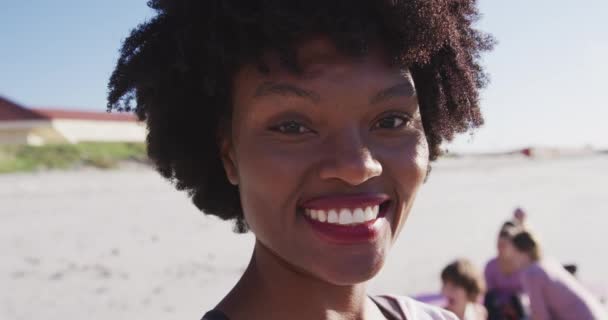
x=345 y=216
x=369 y=214
x=359 y=216
x=332 y=216
x=321 y=216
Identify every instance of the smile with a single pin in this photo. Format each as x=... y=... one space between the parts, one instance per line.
x=344 y=216
x=346 y=210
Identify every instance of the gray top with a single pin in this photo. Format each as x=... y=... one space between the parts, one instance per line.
x=393 y=307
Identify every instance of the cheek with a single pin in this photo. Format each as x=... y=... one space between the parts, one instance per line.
x=269 y=178
x=445 y=291
x=500 y=244
x=422 y=153
x=407 y=167
x=461 y=295
x=407 y=160
x=508 y=250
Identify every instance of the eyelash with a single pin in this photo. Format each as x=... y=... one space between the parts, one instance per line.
x=302 y=129
x=281 y=127
x=405 y=120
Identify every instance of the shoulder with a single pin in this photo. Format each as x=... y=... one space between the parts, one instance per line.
x=413 y=309
x=491 y=266
x=534 y=274
x=491 y=271
x=492 y=263
x=535 y=270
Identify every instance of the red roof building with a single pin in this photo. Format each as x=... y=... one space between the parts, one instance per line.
x=22 y=125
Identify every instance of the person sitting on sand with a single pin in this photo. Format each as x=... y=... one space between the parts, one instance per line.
x=310 y=124
x=463 y=286
x=553 y=292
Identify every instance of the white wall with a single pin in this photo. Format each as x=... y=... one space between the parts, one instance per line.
x=33 y=132
x=105 y=131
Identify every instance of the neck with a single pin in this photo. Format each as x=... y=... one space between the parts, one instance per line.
x=271 y=289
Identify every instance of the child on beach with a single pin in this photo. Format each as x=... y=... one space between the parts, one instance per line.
x=463 y=287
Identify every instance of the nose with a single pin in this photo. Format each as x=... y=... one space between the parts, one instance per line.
x=348 y=159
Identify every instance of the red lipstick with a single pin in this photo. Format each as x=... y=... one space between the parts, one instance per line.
x=335 y=231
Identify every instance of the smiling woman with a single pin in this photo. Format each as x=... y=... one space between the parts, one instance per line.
x=312 y=124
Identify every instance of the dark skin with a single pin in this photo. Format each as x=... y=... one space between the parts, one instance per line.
x=344 y=126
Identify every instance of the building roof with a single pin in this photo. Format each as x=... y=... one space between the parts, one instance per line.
x=12 y=111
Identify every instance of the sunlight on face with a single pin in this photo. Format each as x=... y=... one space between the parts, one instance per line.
x=344 y=130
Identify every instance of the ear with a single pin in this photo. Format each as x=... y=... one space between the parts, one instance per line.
x=228 y=159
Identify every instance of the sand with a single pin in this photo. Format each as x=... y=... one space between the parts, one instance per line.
x=123 y=244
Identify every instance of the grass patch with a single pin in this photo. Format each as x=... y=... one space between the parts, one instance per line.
x=65 y=156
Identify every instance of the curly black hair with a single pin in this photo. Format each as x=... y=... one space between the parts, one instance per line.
x=178 y=68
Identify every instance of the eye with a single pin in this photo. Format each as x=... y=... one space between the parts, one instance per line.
x=291 y=127
x=391 y=122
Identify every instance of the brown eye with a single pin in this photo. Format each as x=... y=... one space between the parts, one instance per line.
x=291 y=128
x=391 y=122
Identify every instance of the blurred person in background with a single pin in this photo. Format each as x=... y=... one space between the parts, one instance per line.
x=502 y=280
x=463 y=286
x=553 y=292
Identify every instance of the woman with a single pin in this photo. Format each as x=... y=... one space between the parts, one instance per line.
x=502 y=280
x=500 y=276
x=310 y=124
x=463 y=286
x=553 y=292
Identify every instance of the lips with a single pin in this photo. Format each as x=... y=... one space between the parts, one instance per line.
x=347 y=218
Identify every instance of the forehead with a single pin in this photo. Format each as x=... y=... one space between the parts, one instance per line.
x=320 y=62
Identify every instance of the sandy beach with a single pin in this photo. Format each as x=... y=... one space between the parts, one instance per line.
x=123 y=244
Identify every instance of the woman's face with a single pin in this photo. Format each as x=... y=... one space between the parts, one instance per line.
x=505 y=254
x=501 y=244
x=511 y=257
x=327 y=162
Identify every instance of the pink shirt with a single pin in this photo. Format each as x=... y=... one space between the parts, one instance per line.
x=505 y=285
x=555 y=294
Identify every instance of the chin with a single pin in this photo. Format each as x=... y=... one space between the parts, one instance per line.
x=353 y=272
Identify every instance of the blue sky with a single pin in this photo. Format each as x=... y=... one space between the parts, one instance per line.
x=549 y=72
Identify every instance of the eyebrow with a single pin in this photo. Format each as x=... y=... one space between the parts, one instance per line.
x=285 y=89
x=405 y=89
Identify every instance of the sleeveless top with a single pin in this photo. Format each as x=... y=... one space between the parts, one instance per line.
x=393 y=308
